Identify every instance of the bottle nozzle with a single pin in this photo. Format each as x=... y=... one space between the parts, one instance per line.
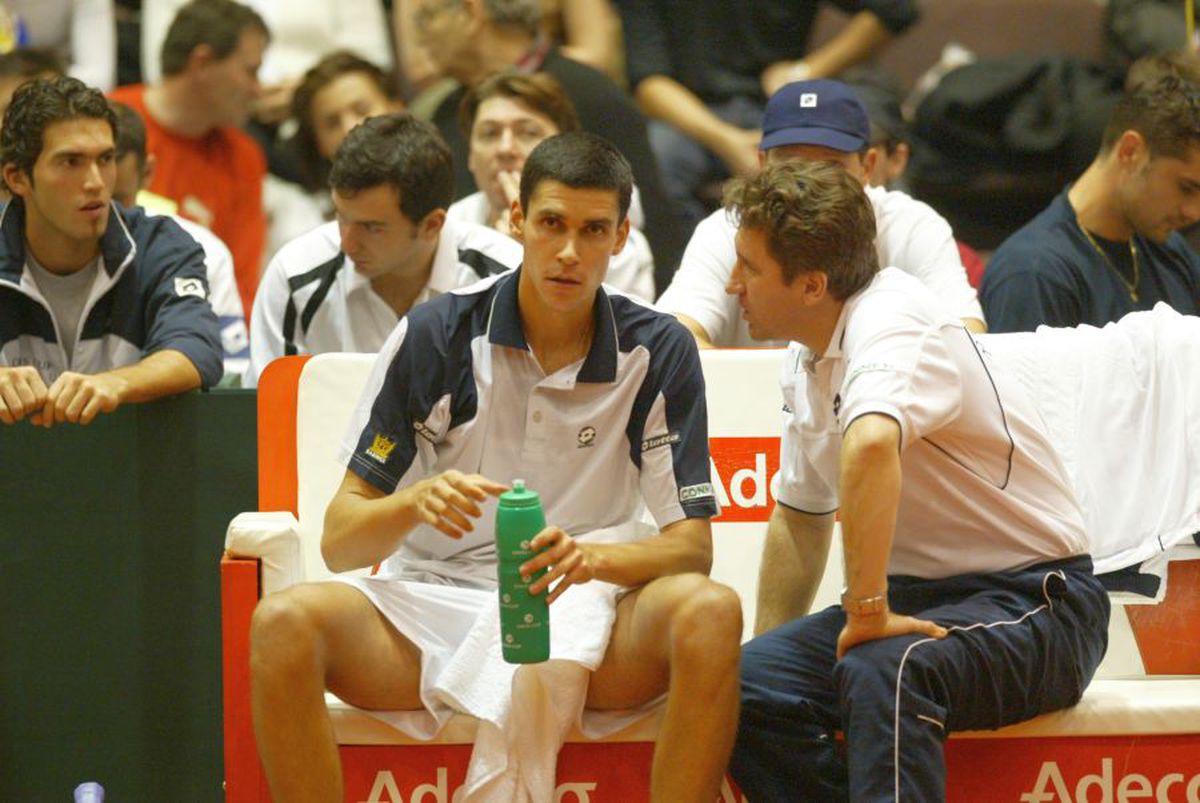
x=518 y=485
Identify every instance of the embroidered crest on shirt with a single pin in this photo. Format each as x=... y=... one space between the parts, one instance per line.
x=586 y=437
x=659 y=440
x=381 y=448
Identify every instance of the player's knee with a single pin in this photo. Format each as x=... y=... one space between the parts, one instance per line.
x=708 y=622
x=863 y=671
x=283 y=634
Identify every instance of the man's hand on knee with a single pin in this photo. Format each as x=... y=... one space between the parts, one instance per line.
x=22 y=392
x=569 y=562
x=885 y=624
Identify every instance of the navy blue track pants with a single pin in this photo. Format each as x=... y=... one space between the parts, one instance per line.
x=1022 y=643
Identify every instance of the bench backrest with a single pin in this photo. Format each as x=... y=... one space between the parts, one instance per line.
x=744 y=424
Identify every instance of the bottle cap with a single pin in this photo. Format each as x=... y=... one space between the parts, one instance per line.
x=89 y=792
x=520 y=496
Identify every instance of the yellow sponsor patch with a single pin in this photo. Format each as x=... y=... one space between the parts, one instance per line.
x=381 y=448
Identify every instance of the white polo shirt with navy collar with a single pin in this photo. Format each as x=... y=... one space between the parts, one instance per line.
x=983 y=489
x=619 y=433
x=312 y=300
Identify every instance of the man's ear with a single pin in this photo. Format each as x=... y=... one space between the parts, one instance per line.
x=431 y=225
x=516 y=221
x=202 y=56
x=869 y=160
x=622 y=236
x=17 y=180
x=148 y=171
x=1130 y=148
x=814 y=286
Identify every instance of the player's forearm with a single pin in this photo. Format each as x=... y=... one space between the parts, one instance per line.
x=862 y=37
x=361 y=531
x=870 y=496
x=663 y=98
x=163 y=373
x=793 y=562
x=638 y=563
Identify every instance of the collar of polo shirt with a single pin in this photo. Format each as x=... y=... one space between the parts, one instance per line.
x=504 y=329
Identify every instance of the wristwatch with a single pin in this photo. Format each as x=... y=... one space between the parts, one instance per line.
x=864 y=606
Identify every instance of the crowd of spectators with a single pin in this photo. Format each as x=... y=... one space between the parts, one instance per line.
x=241 y=109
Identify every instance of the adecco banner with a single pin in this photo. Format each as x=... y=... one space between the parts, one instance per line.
x=601 y=772
x=743 y=473
x=1108 y=769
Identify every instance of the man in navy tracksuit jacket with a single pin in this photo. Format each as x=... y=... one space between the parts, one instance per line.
x=99 y=305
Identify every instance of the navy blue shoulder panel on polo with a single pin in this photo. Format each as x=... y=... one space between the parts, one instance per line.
x=434 y=359
x=324 y=276
x=675 y=373
x=483 y=265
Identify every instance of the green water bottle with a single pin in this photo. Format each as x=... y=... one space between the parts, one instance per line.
x=524 y=618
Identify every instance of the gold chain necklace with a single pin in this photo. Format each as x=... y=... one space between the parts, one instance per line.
x=1133 y=254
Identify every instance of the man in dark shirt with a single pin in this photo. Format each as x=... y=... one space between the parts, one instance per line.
x=703 y=69
x=1109 y=244
x=471 y=41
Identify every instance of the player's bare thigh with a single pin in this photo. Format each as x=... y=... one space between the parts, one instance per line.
x=366 y=661
x=636 y=666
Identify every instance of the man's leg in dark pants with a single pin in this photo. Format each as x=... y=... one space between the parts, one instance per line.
x=1021 y=643
x=785 y=744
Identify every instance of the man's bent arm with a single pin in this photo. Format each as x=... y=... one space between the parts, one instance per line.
x=682 y=546
x=864 y=36
x=163 y=373
x=793 y=563
x=364 y=525
x=79 y=398
x=870 y=496
x=869 y=491
x=861 y=38
x=664 y=98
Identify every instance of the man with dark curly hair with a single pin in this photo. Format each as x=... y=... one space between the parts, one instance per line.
x=99 y=305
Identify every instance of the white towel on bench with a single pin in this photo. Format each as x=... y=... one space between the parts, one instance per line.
x=1120 y=405
x=525 y=712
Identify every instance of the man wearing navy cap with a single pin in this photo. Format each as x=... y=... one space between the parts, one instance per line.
x=824 y=121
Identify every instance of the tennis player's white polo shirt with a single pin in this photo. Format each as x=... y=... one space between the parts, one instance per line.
x=621 y=431
x=983 y=490
x=908 y=234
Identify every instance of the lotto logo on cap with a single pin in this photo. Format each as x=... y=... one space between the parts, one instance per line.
x=808 y=100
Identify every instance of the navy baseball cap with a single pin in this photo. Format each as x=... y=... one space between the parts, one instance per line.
x=820 y=112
